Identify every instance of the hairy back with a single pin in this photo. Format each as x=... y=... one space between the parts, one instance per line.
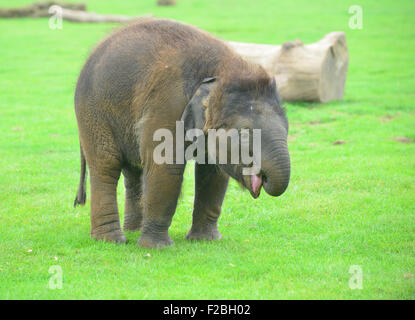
x=148 y=56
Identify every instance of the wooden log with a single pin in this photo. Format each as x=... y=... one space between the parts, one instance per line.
x=69 y=11
x=39 y=9
x=82 y=16
x=45 y=5
x=27 y=11
x=312 y=72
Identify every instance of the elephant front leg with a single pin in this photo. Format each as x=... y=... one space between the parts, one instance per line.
x=210 y=188
x=162 y=186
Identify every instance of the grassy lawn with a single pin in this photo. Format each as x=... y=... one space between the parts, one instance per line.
x=347 y=204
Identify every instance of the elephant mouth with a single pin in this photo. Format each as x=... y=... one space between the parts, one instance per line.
x=251 y=182
x=256 y=186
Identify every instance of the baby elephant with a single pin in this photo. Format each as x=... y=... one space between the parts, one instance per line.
x=148 y=76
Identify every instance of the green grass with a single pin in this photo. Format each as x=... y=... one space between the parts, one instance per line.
x=348 y=204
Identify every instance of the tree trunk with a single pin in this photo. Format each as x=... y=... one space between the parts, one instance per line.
x=38 y=9
x=312 y=72
x=82 y=16
x=75 y=12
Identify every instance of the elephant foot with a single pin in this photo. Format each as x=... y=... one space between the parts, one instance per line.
x=208 y=233
x=132 y=224
x=151 y=240
x=116 y=236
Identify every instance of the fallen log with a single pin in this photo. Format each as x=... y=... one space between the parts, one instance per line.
x=313 y=72
x=82 y=16
x=75 y=12
x=39 y=9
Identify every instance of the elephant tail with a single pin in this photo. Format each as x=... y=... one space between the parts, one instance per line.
x=81 y=195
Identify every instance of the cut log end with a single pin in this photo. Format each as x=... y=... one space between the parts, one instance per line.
x=334 y=68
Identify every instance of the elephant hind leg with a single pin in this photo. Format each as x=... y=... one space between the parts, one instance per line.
x=104 y=159
x=133 y=214
x=105 y=220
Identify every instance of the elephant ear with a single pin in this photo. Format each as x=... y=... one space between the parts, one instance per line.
x=194 y=114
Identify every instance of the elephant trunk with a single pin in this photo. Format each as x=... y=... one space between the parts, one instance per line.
x=276 y=168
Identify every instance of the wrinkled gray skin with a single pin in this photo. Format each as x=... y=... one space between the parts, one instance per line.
x=147 y=76
x=262 y=113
